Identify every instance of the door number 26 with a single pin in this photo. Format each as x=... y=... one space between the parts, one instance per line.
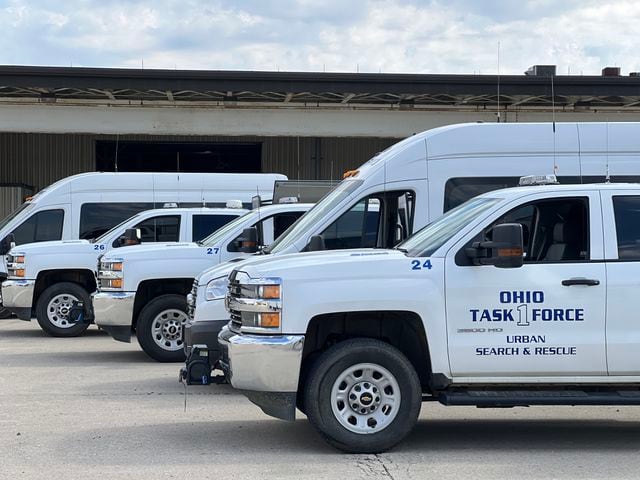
x=418 y=265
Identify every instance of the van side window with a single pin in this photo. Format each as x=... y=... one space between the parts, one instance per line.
x=40 y=227
x=160 y=229
x=627 y=214
x=459 y=190
x=380 y=220
x=205 y=225
x=555 y=230
x=97 y=218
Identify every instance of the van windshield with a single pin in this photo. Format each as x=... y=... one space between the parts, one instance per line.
x=430 y=238
x=14 y=214
x=319 y=210
x=108 y=233
x=220 y=234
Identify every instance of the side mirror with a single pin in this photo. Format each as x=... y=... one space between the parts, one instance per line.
x=316 y=244
x=7 y=244
x=131 y=237
x=504 y=251
x=248 y=241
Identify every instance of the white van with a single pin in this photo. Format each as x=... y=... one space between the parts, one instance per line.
x=50 y=278
x=418 y=179
x=87 y=205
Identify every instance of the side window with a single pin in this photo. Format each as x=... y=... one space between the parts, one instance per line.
x=555 y=230
x=357 y=228
x=160 y=229
x=40 y=227
x=205 y=225
x=97 y=218
x=381 y=220
x=282 y=221
x=627 y=215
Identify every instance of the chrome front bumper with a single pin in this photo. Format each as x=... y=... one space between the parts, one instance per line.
x=113 y=312
x=265 y=368
x=17 y=297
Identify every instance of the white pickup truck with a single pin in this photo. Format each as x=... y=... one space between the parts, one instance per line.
x=50 y=279
x=518 y=297
x=142 y=289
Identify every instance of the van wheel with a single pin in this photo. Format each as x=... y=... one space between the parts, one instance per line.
x=363 y=396
x=159 y=328
x=53 y=308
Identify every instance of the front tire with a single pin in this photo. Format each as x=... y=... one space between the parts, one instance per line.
x=363 y=396
x=159 y=328
x=53 y=308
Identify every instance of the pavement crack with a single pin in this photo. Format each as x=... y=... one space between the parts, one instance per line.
x=372 y=466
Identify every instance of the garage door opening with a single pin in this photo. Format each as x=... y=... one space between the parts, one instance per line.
x=131 y=156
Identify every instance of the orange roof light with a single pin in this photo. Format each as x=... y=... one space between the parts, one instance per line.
x=350 y=173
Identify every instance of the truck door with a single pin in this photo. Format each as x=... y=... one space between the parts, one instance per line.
x=546 y=318
x=621 y=214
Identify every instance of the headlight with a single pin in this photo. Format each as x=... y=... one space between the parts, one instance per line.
x=15 y=265
x=111 y=274
x=216 y=288
x=255 y=305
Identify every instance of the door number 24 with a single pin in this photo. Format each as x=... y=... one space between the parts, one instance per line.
x=418 y=265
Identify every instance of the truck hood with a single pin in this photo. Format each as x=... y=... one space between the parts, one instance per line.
x=51 y=248
x=154 y=250
x=354 y=263
x=221 y=270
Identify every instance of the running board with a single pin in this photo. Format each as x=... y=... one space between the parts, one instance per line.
x=524 y=398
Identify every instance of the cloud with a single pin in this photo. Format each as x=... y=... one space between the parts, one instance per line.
x=430 y=36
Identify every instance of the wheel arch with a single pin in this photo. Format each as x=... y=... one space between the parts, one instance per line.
x=46 y=278
x=154 y=288
x=401 y=329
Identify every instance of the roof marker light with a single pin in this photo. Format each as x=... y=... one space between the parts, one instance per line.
x=234 y=203
x=530 y=180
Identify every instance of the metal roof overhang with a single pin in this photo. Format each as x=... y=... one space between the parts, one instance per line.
x=116 y=85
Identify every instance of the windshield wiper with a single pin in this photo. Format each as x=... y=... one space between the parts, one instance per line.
x=403 y=250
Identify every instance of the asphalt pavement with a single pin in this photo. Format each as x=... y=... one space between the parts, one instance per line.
x=92 y=408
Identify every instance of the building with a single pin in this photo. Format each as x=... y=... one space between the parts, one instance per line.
x=56 y=122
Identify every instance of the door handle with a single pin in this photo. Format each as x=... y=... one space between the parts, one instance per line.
x=580 y=281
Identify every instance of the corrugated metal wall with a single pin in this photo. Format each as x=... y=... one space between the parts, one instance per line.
x=40 y=159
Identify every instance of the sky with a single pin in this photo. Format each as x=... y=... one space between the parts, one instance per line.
x=410 y=36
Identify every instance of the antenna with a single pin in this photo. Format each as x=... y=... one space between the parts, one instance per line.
x=553 y=123
x=116 y=159
x=607 y=178
x=498 y=82
x=299 y=168
x=204 y=203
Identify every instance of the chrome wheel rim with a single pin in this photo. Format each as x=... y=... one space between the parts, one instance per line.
x=166 y=329
x=58 y=310
x=365 y=398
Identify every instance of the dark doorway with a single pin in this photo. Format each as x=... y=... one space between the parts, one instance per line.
x=178 y=157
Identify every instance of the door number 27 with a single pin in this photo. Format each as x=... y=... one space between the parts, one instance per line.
x=417 y=265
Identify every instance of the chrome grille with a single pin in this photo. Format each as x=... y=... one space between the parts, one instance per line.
x=191 y=299
x=235 y=291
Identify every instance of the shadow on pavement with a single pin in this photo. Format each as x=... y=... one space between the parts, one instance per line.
x=524 y=435
x=201 y=441
x=75 y=358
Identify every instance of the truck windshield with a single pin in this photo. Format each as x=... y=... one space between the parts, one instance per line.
x=14 y=214
x=427 y=240
x=219 y=235
x=319 y=210
x=108 y=233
